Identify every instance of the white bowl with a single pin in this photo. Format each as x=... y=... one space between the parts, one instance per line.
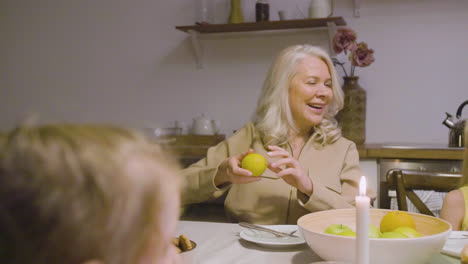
x=329 y=247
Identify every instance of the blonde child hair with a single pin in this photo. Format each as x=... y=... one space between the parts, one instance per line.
x=73 y=193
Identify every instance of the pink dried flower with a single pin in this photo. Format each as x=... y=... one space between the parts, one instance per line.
x=344 y=40
x=362 y=56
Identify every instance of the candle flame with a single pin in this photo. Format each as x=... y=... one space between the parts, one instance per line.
x=362 y=186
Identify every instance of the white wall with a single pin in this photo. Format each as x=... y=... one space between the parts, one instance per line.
x=122 y=61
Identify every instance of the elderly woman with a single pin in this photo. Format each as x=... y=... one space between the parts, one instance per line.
x=86 y=194
x=296 y=131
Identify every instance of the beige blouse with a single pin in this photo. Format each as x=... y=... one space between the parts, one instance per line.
x=334 y=170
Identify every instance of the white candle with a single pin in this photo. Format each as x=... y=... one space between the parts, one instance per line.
x=362 y=224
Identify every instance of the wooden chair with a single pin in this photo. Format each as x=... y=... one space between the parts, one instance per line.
x=406 y=181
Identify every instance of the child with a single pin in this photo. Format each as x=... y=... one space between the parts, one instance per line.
x=455 y=205
x=89 y=194
x=464 y=255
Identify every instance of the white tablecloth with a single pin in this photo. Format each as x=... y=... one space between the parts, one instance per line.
x=220 y=243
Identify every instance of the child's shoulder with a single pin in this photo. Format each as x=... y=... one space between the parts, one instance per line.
x=456 y=196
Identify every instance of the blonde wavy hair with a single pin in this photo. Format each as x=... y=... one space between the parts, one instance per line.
x=72 y=193
x=273 y=117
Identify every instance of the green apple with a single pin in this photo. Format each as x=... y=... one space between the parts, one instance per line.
x=374 y=232
x=393 y=234
x=349 y=233
x=407 y=231
x=335 y=229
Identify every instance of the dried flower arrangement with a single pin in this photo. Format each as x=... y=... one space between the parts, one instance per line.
x=359 y=53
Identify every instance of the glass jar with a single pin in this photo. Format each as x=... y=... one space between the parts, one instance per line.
x=204 y=11
x=262 y=11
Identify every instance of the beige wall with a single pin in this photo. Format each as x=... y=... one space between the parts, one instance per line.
x=122 y=61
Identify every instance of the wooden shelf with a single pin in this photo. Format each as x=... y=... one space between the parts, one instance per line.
x=266 y=25
x=328 y=23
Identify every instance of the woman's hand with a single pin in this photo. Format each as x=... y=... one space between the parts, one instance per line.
x=289 y=169
x=230 y=171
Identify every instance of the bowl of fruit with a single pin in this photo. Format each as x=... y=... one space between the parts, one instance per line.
x=394 y=236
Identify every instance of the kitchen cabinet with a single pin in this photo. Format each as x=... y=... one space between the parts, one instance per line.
x=190 y=148
x=195 y=31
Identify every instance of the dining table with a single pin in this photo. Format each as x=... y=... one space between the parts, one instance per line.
x=221 y=243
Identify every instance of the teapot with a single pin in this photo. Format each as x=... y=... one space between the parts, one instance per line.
x=202 y=125
x=456 y=137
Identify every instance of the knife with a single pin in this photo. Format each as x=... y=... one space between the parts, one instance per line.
x=261 y=228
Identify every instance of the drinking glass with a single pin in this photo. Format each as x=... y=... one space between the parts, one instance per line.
x=204 y=11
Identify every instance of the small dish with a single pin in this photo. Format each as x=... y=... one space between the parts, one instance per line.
x=270 y=240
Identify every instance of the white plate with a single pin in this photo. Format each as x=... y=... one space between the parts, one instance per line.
x=270 y=240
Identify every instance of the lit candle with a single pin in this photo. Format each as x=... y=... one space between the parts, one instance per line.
x=362 y=224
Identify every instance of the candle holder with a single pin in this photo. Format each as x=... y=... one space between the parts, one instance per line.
x=362 y=224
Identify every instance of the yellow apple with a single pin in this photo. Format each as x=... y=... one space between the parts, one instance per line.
x=254 y=163
x=407 y=231
x=335 y=229
x=393 y=234
x=395 y=219
x=374 y=231
x=349 y=233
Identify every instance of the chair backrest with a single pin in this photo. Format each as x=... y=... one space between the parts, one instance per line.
x=406 y=181
x=2 y=138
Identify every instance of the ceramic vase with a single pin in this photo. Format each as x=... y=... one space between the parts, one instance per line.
x=352 y=118
x=236 y=15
